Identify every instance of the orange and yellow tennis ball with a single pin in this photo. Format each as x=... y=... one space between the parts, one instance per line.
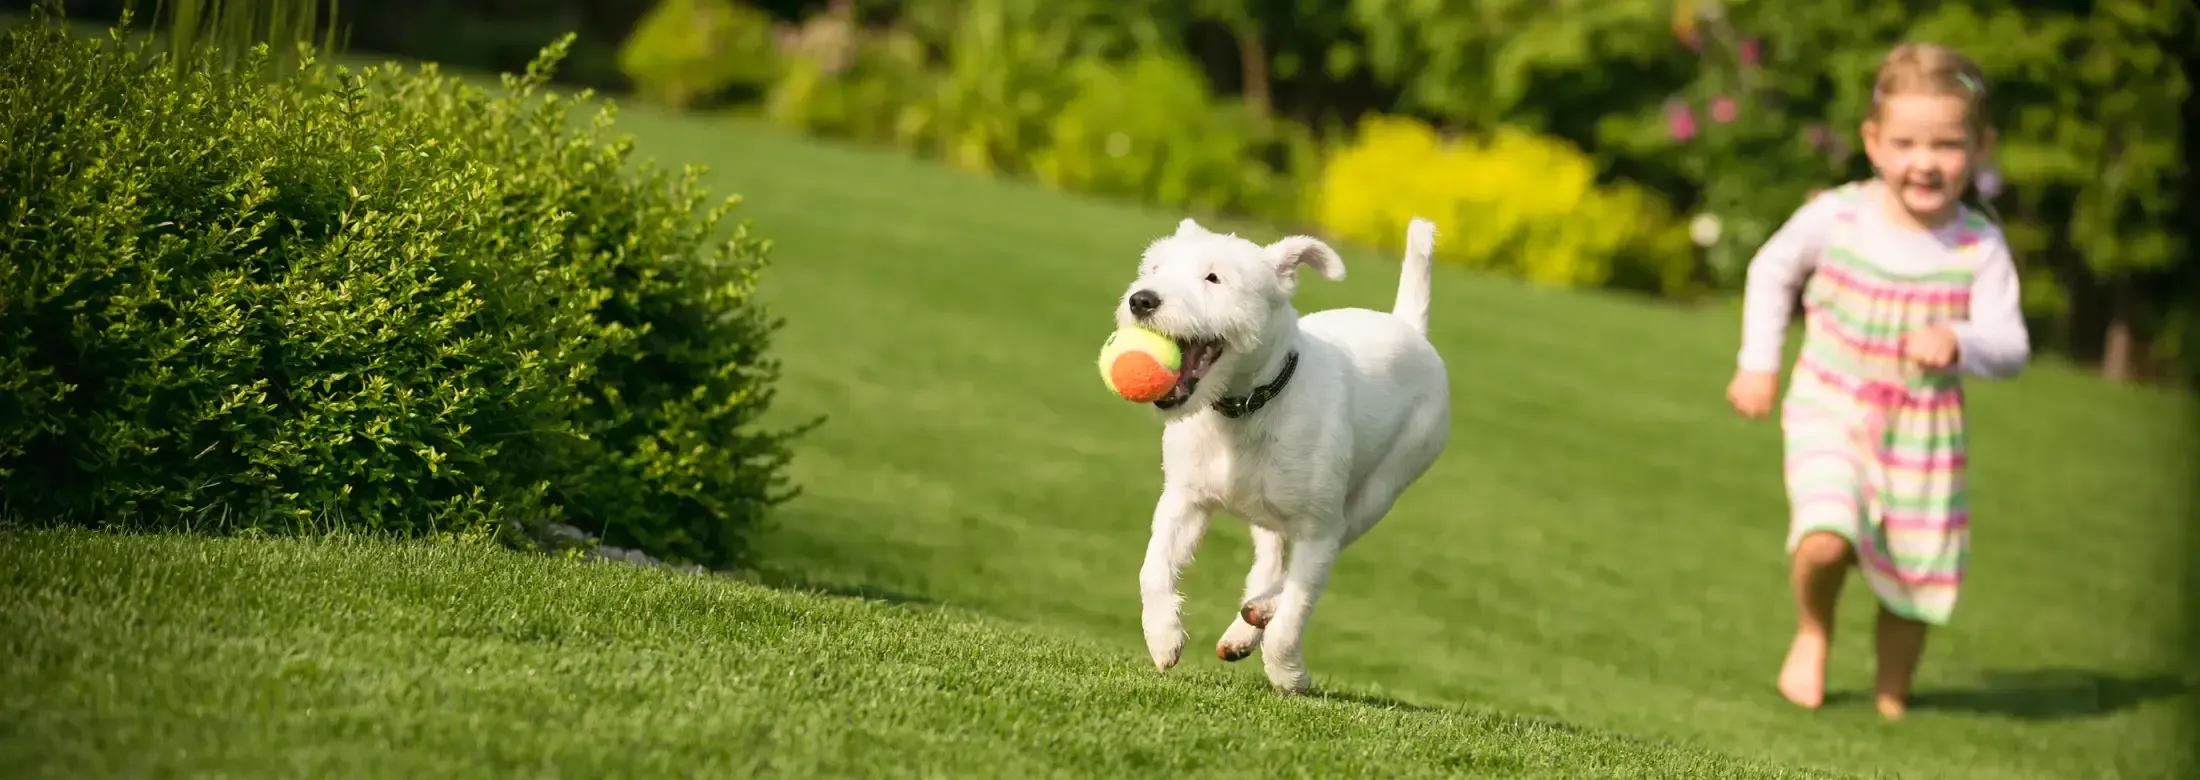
x=1139 y=365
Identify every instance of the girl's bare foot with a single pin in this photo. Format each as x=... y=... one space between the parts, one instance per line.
x=1821 y=559
x=1803 y=675
x=1901 y=641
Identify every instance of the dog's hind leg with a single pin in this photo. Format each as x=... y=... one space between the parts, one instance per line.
x=1261 y=584
x=1397 y=471
x=1306 y=574
x=1178 y=523
x=1373 y=500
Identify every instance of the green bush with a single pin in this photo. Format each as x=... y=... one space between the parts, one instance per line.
x=975 y=84
x=876 y=91
x=689 y=52
x=1074 y=108
x=1148 y=129
x=383 y=300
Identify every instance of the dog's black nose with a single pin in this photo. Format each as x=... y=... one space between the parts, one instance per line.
x=1144 y=302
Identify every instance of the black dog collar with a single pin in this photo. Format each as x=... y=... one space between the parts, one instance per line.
x=1248 y=404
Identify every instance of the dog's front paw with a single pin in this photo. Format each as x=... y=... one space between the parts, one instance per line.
x=1164 y=642
x=1234 y=652
x=1238 y=641
x=1258 y=613
x=1290 y=678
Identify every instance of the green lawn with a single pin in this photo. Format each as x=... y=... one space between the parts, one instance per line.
x=1599 y=548
x=340 y=657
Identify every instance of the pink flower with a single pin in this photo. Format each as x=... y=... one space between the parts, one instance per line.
x=1988 y=182
x=1818 y=136
x=1679 y=121
x=1751 y=51
x=1722 y=109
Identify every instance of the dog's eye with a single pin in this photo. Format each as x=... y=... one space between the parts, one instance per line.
x=1213 y=279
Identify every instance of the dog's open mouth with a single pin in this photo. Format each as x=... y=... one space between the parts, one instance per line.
x=1198 y=356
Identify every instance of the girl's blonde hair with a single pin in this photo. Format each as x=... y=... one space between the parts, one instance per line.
x=1933 y=69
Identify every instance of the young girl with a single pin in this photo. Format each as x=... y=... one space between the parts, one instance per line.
x=1908 y=290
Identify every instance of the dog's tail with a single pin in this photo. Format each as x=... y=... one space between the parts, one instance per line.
x=1413 y=275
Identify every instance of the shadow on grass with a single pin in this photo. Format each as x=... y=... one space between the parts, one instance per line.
x=2051 y=694
x=1367 y=700
x=796 y=582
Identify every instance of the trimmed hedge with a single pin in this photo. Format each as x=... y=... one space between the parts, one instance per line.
x=383 y=300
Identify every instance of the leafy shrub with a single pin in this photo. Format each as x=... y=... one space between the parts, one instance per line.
x=1148 y=129
x=685 y=52
x=876 y=92
x=974 y=84
x=1514 y=202
x=1000 y=86
x=1142 y=125
x=1003 y=68
x=386 y=300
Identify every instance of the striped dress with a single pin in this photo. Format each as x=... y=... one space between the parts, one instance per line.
x=1875 y=445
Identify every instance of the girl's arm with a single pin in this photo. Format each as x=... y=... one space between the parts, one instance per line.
x=1777 y=271
x=1994 y=343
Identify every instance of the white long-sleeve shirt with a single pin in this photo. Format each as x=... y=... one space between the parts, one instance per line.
x=1992 y=343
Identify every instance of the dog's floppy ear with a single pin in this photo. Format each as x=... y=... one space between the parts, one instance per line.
x=1189 y=227
x=1293 y=251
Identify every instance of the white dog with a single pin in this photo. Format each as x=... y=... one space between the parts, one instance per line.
x=1306 y=428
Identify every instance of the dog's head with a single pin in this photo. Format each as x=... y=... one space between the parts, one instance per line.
x=1224 y=300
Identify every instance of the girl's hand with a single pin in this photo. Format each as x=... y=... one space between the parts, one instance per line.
x=1751 y=392
x=1932 y=347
